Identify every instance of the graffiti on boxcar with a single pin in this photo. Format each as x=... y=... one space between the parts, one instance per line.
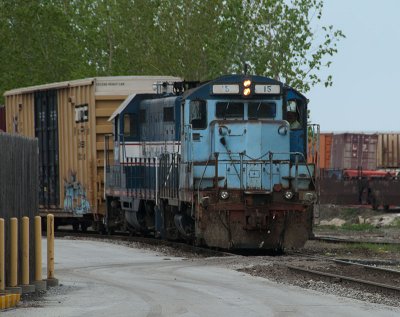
x=75 y=196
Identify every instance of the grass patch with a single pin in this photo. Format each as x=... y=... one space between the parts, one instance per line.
x=326 y=227
x=362 y=227
x=395 y=224
x=357 y=227
x=349 y=213
x=373 y=247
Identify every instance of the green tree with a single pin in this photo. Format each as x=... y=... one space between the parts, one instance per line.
x=193 y=42
x=37 y=43
x=279 y=41
x=54 y=40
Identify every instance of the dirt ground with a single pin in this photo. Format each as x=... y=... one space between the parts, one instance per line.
x=359 y=223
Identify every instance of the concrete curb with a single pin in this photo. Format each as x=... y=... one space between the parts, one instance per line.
x=51 y=282
x=40 y=286
x=9 y=300
x=28 y=289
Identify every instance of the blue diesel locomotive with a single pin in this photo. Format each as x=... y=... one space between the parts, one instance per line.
x=223 y=164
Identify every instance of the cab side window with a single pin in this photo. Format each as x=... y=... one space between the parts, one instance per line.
x=198 y=114
x=130 y=125
x=293 y=114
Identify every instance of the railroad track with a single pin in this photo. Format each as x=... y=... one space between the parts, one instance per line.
x=184 y=247
x=352 y=274
x=330 y=239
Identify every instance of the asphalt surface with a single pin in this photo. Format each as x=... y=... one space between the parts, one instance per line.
x=102 y=279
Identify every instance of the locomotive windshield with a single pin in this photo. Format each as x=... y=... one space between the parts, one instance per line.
x=261 y=110
x=256 y=110
x=230 y=110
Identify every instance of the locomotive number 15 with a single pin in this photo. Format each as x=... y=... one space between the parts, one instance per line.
x=225 y=89
x=267 y=89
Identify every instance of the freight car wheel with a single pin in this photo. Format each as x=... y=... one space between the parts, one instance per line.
x=75 y=225
x=84 y=227
x=101 y=228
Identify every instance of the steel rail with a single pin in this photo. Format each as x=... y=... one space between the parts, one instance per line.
x=345 y=278
x=351 y=241
x=365 y=266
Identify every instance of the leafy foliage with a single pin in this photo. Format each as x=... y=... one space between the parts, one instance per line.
x=38 y=44
x=54 y=40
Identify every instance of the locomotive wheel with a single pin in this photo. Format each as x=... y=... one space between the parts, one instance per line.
x=109 y=231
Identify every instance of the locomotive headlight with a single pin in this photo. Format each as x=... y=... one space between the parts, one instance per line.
x=288 y=195
x=247 y=83
x=246 y=87
x=224 y=195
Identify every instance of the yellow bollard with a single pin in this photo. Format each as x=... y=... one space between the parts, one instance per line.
x=26 y=287
x=13 y=288
x=51 y=281
x=50 y=246
x=25 y=250
x=2 y=257
x=40 y=284
x=38 y=248
x=3 y=301
x=14 y=252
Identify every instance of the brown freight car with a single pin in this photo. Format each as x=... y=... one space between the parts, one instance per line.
x=353 y=151
x=70 y=120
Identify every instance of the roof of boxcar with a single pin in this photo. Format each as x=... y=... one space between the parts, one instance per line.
x=64 y=84
x=87 y=81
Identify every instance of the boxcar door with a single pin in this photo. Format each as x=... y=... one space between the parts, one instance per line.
x=46 y=130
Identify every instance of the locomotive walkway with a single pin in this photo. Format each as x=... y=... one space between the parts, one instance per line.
x=103 y=279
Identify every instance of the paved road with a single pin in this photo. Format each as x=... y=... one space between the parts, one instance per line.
x=101 y=279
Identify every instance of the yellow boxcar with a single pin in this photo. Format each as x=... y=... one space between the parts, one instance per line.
x=70 y=120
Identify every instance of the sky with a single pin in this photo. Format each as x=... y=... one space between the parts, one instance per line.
x=366 y=69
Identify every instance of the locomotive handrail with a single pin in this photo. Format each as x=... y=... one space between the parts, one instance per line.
x=270 y=155
x=124 y=156
x=156 y=193
x=297 y=154
x=201 y=179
